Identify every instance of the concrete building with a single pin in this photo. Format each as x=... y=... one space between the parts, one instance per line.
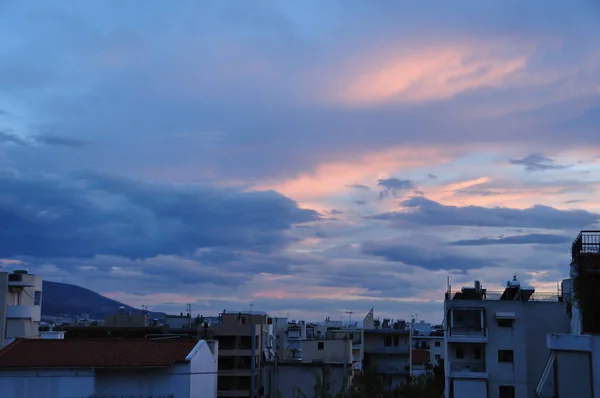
x=246 y=341
x=20 y=306
x=387 y=350
x=325 y=361
x=39 y=368
x=430 y=341
x=496 y=341
x=125 y=318
x=573 y=366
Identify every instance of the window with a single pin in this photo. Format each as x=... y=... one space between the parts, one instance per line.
x=505 y=356
x=387 y=341
x=438 y=357
x=437 y=344
x=396 y=341
x=320 y=345
x=507 y=392
x=477 y=353
x=37 y=298
x=460 y=354
x=505 y=323
x=243 y=320
x=351 y=336
x=269 y=321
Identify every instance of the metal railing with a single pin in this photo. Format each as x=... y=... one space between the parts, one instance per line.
x=478 y=367
x=467 y=331
x=498 y=295
x=586 y=242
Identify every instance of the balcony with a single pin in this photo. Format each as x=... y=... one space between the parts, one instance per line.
x=388 y=350
x=467 y=335
x=400 y=369
x=468 y=370
x=20 y=311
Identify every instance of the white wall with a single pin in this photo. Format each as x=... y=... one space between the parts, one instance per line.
x=204 y=366
x=174 y=380
x=38 y=383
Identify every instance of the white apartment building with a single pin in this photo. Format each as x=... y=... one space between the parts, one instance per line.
x=20 y=306
x=574 y=361
x=495 y=342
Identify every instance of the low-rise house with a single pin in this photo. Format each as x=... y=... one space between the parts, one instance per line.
x=93 y=368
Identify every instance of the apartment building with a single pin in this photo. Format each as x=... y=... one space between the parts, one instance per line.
x=20 y=306
x=574 y=361
x=387 y=350
x=429 y=343
x=495 y=342
x=245 y=341
x=126 y=318
x=324 y=362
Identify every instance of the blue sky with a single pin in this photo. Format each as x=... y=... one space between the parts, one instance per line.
x=311 y=158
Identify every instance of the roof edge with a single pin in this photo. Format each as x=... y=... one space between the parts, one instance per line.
x=194 y=350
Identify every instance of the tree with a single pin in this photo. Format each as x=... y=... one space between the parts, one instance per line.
x=199 y=320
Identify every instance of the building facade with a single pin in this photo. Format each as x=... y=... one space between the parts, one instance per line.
x=387 y=351
x=573 y=366
x=20 y=306
x=496 y=341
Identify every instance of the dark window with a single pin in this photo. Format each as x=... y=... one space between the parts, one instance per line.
x=437 y=357
x=269 y=321
x=505 y=356
x=437 y=344
x=387 y=341
x=507 y=392
x=320 y=345
x=460 y=354
x=505 y=323
x=351 y=336
x=396 y=341
x=243 y=320
x=477 y=353
x=37 y=300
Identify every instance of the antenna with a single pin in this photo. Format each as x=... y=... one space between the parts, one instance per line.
x=349 y=317
x=188 y=309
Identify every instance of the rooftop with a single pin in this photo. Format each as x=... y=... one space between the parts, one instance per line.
x=514 y=291
x=587 y=242
x=95 y=353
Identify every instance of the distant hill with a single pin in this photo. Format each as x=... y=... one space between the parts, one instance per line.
x=61 y=298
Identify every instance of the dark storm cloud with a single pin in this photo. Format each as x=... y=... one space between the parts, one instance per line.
x=423 y=211
x=537 y=162
x=529 y=239
x=99 y=215
x=424 y=256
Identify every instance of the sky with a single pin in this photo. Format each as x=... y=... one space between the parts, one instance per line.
x=308 y=158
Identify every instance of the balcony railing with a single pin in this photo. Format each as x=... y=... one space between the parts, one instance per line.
x=586 y=242
x=476 y=367
x=19 y=311
x=499 y=295
x=468 y=331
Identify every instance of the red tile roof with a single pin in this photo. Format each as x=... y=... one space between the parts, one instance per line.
x=94 y=353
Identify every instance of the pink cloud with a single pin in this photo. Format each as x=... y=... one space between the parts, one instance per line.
x=429 y=73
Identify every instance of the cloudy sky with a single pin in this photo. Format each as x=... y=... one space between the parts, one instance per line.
x=309 y=157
